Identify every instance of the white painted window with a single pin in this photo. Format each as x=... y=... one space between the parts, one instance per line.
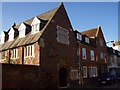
x=35 y=28
x=14 y=53
x=84 y=53
x=21 y=30
x=79 y=36
x=11 y=34
x=93 y=71
x=87 y=40
x=2 y=37
x=74 y=74
x=101 y=42
x=62 y=35
x=21 y=33
x=84 y=71
x=92 y=55
x=35 y=25
x=29 y=51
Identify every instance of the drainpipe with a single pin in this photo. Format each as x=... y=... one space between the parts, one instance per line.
x=79 y=66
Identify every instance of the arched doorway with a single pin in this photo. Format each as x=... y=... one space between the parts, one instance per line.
x=62 y=77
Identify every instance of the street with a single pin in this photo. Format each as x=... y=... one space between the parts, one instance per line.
x=116 y=85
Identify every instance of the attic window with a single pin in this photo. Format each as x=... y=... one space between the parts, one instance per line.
x=79 y=36
x=21 y=33
x=11 y=34
x=2 y=36
x=35 y=25
x=35 y=28
x=21 y=30
x=87 y=40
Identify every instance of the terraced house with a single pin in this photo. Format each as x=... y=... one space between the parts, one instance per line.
x=92 y=53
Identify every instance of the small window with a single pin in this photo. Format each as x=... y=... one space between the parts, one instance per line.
x=84 y=71
x=93 y=71
x=92 y=55
x=14 y=53
x=11 y=34
x=87 y=40
x=74 y=74
x=84 y=53
x=35 y=28
x=29 y=51
x=79 y=36
x=21 y=33
x=2 y=36
x=101 y=55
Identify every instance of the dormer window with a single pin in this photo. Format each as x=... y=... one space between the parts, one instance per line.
x=21 y=30
x=35 y=25
x=2 y=38
x=79 y=36
x=11 y=34
x=87 y=40
x=35 y=28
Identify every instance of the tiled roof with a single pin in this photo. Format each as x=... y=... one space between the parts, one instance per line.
x=90 y=33
x=29 y=38
x=45 y=16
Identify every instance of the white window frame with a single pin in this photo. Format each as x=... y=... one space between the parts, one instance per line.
x=35 y=25
x=92 y=55
x=21 y=33
x=11 y=34
x=29 y=51
x=79 y=36
x=14 y=53
x=2 y=37
x=74 y=74
x=35 y=28
x=85 y=72
x=84 y=55
x=93 y=72
x=62 y=35
x=21 y=30
x=87 y=40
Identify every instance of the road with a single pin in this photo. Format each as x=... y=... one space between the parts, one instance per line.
x=116 y=85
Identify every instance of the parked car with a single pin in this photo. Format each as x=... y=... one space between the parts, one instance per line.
x=107 y=78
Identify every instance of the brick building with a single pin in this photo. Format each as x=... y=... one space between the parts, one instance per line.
x=40 y=51
x=45 y=51
x=92 y=54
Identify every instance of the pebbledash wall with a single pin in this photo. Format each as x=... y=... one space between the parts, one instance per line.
x=45 y=52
